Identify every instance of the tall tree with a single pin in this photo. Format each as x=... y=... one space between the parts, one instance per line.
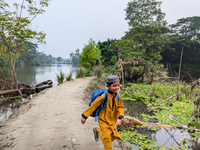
x=108 y=55
x=75 y=57
x=16 y=30
x=147 y=25
x=90 y=55
x=184 y=33
x=189 y=27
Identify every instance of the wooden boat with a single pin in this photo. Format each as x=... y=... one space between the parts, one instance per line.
x=9 y=93
x=43 y=85
x=25 y=88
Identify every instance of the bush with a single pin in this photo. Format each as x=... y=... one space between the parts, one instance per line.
x=80 y=72
x=60 y=77
x=5 y=78
x=98 y=71
x=69 y=77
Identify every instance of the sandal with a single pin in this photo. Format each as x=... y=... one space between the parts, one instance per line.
x=96 y=135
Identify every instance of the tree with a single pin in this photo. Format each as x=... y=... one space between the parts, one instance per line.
x=189 y=27
x=75 y=57
x=16 y=30
x=59 y=59
x=147 y=26
x=109 y=57
x=90 y=55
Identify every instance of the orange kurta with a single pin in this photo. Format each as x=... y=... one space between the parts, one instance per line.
x=107 y=118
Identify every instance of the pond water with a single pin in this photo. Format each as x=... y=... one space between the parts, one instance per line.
x=32 y=75
x=36 y=74
x=163 y=137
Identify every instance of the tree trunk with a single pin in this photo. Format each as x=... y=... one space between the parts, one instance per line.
x=14 y=77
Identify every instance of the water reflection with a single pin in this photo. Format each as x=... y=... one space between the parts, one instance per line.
x=8 y=108
x=36 y=74
x=163 y=137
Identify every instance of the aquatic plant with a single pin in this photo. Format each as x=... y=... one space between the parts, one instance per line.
x=173 y=112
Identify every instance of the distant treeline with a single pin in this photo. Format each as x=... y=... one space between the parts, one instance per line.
x=31 y=57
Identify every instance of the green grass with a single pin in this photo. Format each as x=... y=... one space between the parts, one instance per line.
x=69 y=77
x=98 y=71
x=60 y=77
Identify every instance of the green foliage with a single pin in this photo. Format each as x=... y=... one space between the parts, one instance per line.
x=60 y=77
x=108 y=55
x=138 y=139
x=188 y=27
x=178 y=113
x=75 y=57
x=5 y=77
x=172 y=52
x=59 y=59
x=98 y=71
x=90 y=55
x=147 y=25
x=17 y=30
x=80 y=72
x=43 y=58
x=69 y=77
x=154 y=128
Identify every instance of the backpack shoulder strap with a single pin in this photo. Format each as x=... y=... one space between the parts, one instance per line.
x=103 y=104
x=117 y=97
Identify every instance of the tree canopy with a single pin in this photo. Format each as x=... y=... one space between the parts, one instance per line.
x=147 y=24
x=90 y=55
x=16 y=30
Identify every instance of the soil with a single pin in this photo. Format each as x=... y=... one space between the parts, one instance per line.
x=51 y=121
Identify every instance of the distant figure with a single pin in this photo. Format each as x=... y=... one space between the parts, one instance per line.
x=109 y=116
x=97 y=63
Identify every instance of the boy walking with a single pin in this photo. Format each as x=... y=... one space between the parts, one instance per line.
x=112 y=113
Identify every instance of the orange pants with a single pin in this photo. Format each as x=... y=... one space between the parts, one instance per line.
x=107 y=136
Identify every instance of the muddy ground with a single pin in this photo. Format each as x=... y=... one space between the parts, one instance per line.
x=51 y=121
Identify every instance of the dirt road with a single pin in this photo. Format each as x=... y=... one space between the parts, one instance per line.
x=51 y=121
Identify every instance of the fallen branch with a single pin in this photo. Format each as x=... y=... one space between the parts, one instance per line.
x=131 y=122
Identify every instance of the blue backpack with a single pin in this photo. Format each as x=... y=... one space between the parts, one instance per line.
x=103 y=104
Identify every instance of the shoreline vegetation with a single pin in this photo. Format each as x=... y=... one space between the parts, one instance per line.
x=175 y=113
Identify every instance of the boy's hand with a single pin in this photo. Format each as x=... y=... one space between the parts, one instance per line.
x=120 y=121
x=83 y=120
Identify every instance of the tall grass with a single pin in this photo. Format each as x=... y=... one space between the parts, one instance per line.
x=69 y=77
x=60 y=77
x=80 y=72
x=98 y=71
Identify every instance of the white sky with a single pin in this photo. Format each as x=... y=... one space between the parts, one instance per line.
x=69 y=24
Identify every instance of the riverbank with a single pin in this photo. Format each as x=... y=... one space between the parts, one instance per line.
x=51 y=120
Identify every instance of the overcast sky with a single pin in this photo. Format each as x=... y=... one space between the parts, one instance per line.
x=69 y=24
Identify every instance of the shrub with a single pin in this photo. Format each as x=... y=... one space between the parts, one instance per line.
x=69 y=77
x=5 y=78
x=80 y=72
x=98 y=71
x=60 y=77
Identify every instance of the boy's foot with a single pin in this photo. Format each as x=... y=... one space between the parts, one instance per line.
x=96 y=134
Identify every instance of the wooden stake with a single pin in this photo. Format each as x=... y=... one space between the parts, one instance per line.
x=177 y=98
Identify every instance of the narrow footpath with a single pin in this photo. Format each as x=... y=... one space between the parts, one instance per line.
x=51 y=121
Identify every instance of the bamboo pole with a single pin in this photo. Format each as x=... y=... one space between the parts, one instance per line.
x=177 y=98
